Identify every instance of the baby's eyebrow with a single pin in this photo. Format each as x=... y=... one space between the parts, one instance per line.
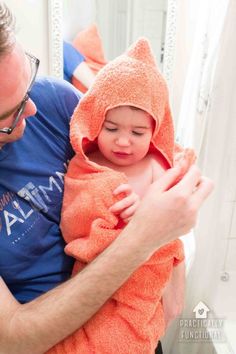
x=141 y=127
x=133 y=126
x=109 y=121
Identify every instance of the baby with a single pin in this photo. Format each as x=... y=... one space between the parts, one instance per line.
x=122 y=134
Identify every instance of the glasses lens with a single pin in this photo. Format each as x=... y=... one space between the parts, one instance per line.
x=20 y=112
x=34 y=63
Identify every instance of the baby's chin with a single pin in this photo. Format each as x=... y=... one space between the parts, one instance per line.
x=123 y=162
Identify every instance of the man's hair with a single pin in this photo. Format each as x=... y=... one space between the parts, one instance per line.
x=7 y=28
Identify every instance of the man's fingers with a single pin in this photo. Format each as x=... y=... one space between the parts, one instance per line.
x=189 y=181
x=202 y=190
x=168 y=179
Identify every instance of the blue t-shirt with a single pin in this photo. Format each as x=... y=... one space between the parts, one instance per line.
x=72 y=58
x=32 y=258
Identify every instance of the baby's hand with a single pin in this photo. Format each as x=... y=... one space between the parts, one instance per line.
x=128 y=205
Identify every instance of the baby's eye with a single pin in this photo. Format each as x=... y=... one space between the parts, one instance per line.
x=137 y=133
x=110 y=129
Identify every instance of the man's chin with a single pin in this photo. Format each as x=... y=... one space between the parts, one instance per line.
x=19 y=132
x=14 y=136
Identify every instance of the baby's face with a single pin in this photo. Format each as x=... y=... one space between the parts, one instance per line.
x=125 y=135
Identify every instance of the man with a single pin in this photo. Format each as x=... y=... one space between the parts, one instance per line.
x=38 y=305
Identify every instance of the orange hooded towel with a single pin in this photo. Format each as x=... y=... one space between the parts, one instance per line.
x=132 y=320
x=89 y=43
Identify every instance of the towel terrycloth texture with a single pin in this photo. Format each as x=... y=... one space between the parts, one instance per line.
x=89 y=43
x=132 y=320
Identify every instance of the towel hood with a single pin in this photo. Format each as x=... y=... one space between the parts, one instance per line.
x=131 y=79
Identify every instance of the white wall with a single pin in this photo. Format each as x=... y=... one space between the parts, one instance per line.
x=32 y=28
x=77 y=15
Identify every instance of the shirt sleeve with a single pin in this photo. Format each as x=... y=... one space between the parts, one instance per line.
x=72 y=58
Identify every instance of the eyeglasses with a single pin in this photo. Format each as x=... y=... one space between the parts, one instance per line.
x=34 y=62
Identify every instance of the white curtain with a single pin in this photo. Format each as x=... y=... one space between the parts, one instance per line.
x=207 y=121
x=206 y=32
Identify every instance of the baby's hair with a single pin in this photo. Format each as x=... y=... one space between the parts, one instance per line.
x=137 y=109
x=140 y=109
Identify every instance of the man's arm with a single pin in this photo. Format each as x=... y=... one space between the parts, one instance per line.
x=84 y=74
x=163 y=215
x=36 y=326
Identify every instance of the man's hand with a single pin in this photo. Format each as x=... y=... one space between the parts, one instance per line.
x=126 y=207
x=169 y=210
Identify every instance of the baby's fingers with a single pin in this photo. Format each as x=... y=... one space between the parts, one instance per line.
x=123 y=204
x=129 y=212
x=123 y=188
